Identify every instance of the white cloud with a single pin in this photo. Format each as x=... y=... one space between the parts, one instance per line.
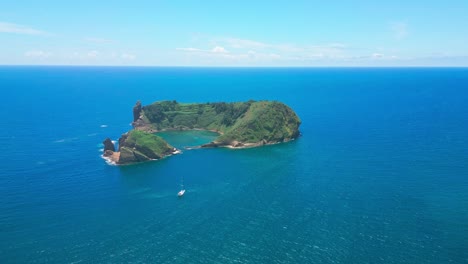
x=333 y=50
x=262 y=56
x=212 y=51
x=243 y=43
x=219 y=55
x=253 y=45
x=399 y=30
x=190 y=49
x=19 y=29
x=250 y=52
x=283 y=50
x=92 y=54
x=98 y=40
x=96 y=57
x=374 y=57
x=377 y=55
x=327 y=50
x=127 y=56
x=219 y=49
x=38 y=54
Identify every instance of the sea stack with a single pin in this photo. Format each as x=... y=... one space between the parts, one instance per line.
x=136 y=111
x=108 y=145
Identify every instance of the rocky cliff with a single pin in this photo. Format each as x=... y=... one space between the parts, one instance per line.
x=136 y=111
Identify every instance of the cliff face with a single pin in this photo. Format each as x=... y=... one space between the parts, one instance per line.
x=241 y=124
x=136 y=111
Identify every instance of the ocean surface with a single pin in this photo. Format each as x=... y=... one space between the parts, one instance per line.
x=379 y=175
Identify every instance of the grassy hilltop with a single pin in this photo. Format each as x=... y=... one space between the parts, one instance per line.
x=138 y=146
x=245 y=122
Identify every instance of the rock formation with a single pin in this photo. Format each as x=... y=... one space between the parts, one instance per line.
x=108 y=145
x=136 y=111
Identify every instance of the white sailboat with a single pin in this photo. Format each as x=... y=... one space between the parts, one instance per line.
x=182 y=191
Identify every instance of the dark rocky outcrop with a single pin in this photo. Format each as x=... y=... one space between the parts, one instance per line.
x=122 y=140
x=108 y=145
x=136 y=111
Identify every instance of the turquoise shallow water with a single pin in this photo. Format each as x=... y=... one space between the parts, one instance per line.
x=186 y=139
x=378 y=176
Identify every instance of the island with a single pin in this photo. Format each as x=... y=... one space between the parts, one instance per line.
x=239 y=125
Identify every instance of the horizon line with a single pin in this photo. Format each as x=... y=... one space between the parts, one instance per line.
x=228 y=66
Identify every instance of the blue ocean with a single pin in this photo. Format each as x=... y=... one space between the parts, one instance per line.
x=379 y=175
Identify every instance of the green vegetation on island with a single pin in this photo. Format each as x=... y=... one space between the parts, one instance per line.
x=138 y=146
x=166 y=115
x=240 y=124
x=142 y=146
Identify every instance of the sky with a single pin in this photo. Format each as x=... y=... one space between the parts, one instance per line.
x=251 y=33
